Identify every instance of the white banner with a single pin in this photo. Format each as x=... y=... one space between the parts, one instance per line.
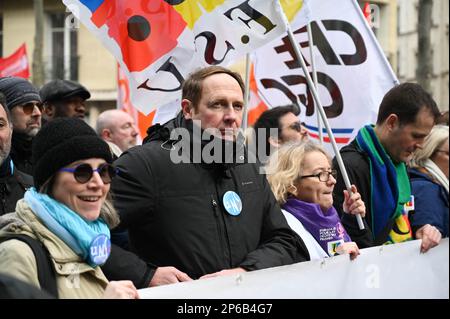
x=158 y=44
x=353 y=73
x=397 y=271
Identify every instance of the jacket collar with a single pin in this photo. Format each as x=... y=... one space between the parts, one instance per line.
x=163 y=133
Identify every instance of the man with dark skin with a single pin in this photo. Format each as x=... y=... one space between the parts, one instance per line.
x=64 y=98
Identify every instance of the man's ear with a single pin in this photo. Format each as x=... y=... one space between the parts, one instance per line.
x=49 y=110
x=392 y=122
x=106 y=134
x=187 y=108
x=275 y=142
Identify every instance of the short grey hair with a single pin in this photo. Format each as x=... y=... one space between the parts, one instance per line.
x=104 y=120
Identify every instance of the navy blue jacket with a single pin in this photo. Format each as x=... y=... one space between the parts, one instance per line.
x=431 y=202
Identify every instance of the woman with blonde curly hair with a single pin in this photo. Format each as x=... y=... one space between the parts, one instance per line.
x=429 y=181
x=302 y=180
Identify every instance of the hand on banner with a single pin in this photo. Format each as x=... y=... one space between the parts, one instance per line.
x=348 y=248
x=430 y=236
x=168 y=275
x=224 y=272
x=123 y=289
x=353 y=204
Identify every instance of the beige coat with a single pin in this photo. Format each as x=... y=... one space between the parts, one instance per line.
x=75 y=278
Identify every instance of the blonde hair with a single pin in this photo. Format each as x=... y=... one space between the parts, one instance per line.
x=286 y=165
x=434 y=140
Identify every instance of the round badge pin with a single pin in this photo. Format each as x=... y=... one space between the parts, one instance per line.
x=100 y=249
x=232 y=203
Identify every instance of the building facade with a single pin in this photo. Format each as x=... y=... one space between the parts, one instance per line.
x=70 y=50
x=408 y=47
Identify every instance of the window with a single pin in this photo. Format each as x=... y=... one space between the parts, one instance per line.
x=60 y=67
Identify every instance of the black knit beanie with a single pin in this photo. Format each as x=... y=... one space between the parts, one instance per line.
x=18 y=91
x=61 y=142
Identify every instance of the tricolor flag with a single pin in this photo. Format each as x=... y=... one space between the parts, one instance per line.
x=16 y=64
x=158 y=43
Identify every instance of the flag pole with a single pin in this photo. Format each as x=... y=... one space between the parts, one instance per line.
x=314 y=73
x=246 y=92
x=320 y=109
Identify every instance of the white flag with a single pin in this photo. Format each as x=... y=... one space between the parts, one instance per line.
x=353 y=73
x=158 y=44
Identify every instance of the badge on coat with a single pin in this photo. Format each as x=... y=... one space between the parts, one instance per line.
x=409 y=206
x=232 y=203
x=100 y=249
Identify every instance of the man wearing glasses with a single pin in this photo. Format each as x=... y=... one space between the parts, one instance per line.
x=13 y=182
x=24 y=103
x=289 y=129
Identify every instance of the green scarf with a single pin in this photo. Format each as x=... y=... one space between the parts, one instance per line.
x=390 y=188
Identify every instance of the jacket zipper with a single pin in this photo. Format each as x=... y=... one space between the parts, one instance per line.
x=215 y=206
x=223 y=232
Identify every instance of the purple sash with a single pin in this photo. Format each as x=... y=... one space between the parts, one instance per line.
x=326 y=228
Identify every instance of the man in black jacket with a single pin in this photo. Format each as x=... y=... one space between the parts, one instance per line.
x=198 y=211
x=13 y=182
x=24 y=104
x=288 y=128
x=64 y=98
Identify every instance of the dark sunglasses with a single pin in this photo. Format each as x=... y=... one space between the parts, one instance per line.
x=28 y=108
x=83 y=172
x=297 y=126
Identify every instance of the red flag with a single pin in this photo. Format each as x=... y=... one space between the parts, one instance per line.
x=124 y=103
x=367 y=11
x=16 y=64
x=255 y=106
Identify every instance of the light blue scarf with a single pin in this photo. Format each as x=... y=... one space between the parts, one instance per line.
x=70 y=227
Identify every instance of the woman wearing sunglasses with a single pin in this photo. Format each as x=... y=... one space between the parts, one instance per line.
x=302 y=181
x=68 y=212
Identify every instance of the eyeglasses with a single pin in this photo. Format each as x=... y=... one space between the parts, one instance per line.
x=323 y=176
x=297 y=126
x=83 y=172
x=28 y=108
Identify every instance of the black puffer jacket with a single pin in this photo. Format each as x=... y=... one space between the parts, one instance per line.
x=175 y=215
x=21 y=152
x=357 y=166
x=13 y=184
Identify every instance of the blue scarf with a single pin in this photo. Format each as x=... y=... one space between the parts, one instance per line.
x=326 y=228
x=78 y=233
x=389 y=185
